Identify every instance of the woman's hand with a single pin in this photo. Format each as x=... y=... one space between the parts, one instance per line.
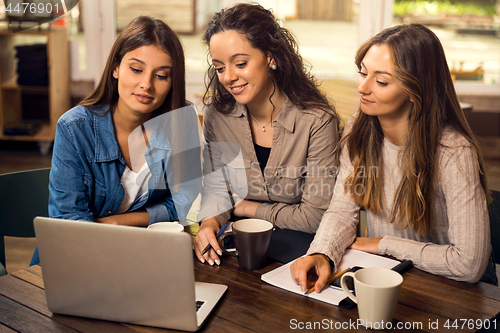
x=303 y=269
x=246 y=208
x=107 y=220
x=366 y=244
x=137 y=218
x=209 y=228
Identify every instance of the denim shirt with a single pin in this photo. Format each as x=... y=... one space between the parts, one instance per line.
x=87 y=166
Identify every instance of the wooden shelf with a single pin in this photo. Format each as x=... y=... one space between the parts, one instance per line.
x=12 y=85
x=56 y=95
x=32 y=31
x=43 y=135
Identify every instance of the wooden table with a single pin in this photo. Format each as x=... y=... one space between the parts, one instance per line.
x=427 y=303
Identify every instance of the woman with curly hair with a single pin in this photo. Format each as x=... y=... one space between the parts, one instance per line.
x=264 y=105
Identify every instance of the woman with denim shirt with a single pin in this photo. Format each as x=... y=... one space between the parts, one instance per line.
x=268 y=125
x=110 y=164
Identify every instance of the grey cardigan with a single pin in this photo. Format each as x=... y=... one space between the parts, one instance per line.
x=458 y=244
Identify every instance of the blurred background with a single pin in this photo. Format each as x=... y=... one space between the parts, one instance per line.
x=74 y=47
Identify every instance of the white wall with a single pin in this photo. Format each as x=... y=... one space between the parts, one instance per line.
x=100 y=34
x=281 y=8
x=374 y=16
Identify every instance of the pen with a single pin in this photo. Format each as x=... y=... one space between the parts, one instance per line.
x=205 y=250
x=330 y=280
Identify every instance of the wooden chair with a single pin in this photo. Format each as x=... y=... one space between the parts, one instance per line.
x=23 y=196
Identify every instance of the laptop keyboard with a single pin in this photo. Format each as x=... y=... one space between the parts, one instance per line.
x=199 y=304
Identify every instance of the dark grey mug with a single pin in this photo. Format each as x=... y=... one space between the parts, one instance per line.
x=252 y=238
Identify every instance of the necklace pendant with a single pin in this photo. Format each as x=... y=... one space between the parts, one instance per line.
x=263 y=129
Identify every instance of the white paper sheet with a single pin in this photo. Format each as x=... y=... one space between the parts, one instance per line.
x=281 y=276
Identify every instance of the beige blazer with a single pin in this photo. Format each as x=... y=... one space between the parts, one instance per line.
x=299 y=177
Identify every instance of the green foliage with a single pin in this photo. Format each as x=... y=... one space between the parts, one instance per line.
x=421 y=7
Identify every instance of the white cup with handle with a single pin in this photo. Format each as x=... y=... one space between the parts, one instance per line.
x=377 y=293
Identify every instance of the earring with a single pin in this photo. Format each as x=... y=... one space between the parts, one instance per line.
x=273 y=66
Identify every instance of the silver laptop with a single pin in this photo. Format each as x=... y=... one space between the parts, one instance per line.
x=125 y=274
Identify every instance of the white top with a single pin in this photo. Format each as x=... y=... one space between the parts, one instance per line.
x=135 y=186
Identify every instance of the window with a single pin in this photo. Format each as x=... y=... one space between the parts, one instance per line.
x=467 y=30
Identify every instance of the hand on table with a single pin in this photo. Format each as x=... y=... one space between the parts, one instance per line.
x=304 y=268
x=366 y=244
x=108 y=220
x=137 y=218
x=209 y=228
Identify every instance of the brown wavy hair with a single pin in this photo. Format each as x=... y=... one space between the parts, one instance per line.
x=421 y=69
x=264 y=33
x=142 y=31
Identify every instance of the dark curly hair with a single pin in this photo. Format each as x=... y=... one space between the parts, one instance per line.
x=263 y=32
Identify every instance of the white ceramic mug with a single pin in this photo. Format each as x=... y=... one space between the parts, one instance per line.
x=377 y=292
x=167 y=226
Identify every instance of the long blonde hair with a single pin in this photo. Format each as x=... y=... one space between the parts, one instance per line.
x=421 y=69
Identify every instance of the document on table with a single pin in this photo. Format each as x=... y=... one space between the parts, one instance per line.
x=281 y=276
